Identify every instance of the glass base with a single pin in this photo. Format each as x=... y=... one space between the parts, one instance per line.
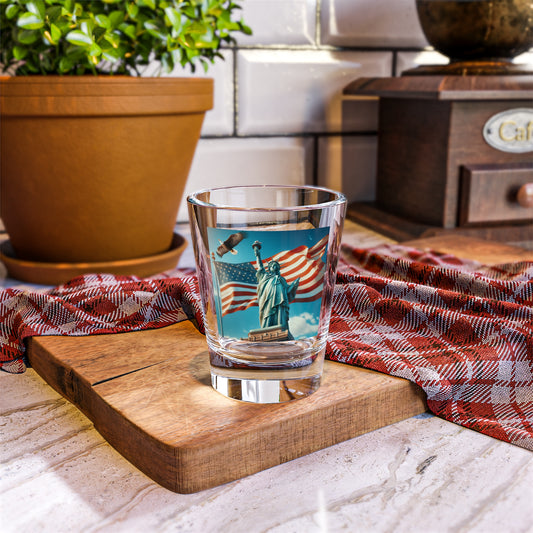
x=264 y=390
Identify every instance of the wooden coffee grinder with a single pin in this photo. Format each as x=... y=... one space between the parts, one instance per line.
x=455 y=142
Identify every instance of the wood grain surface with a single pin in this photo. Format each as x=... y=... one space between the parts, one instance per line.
x=490 y=193
x=148 y=393
x=486 y=252
x=401 y=229
x=446 y=87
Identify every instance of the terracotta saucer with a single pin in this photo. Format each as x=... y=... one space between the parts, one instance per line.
x=58 y=273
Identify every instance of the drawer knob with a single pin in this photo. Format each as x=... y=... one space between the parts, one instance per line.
x=525 y=195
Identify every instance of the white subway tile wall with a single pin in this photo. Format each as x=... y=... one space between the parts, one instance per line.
x=249 y=161
x=221 y=119
x=278 y=112
x=279 y=22
x=380 y=24
x=295 y=91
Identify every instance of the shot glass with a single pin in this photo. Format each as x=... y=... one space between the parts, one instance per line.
x=266 y=258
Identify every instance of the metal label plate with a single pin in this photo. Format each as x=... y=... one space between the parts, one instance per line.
x=510 y=130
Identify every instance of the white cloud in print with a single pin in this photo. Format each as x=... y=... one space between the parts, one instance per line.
x=303 y=325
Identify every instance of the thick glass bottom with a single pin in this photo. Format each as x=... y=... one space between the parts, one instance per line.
x=264 y=390
x=273 y=373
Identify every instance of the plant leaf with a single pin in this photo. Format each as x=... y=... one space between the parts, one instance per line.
x=87 y=27
x=11 y=10
x=113 y=39
x=133 y=10
x=146 y=3
x=128 y=29
x=68 y=5
x=174 y=17
x=37 y=8
x=30 y=21
x=55 y=32
x=27 y=36
x=103 y=21
x=79 y=38
x=95 y=50
x=116 y=18
x=65 y=64
x=153 y=29
x=53 y=13
x=19 y=52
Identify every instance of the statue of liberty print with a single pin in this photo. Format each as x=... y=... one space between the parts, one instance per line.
x=274 y=294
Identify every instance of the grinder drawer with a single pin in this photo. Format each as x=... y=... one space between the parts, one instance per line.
x=494 y=193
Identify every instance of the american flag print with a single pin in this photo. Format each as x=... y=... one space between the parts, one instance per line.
x=238 y=282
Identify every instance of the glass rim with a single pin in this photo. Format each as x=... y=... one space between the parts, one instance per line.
x=339 y=198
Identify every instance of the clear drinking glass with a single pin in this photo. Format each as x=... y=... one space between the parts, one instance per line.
x=266 y=258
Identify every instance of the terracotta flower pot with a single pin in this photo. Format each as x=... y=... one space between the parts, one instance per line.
x=93 y=168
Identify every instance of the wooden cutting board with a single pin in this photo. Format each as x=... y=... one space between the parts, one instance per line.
x=148 y=393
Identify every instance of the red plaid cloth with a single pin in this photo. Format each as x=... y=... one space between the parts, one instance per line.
x=94 y=304
x=460 y=330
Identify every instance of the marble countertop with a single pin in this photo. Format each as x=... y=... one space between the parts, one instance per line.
x=58 y=474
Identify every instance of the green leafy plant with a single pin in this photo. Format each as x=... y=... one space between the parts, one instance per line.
x=113 y=36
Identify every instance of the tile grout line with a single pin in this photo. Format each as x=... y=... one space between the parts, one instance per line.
x=317 y=23
x=235 y=94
